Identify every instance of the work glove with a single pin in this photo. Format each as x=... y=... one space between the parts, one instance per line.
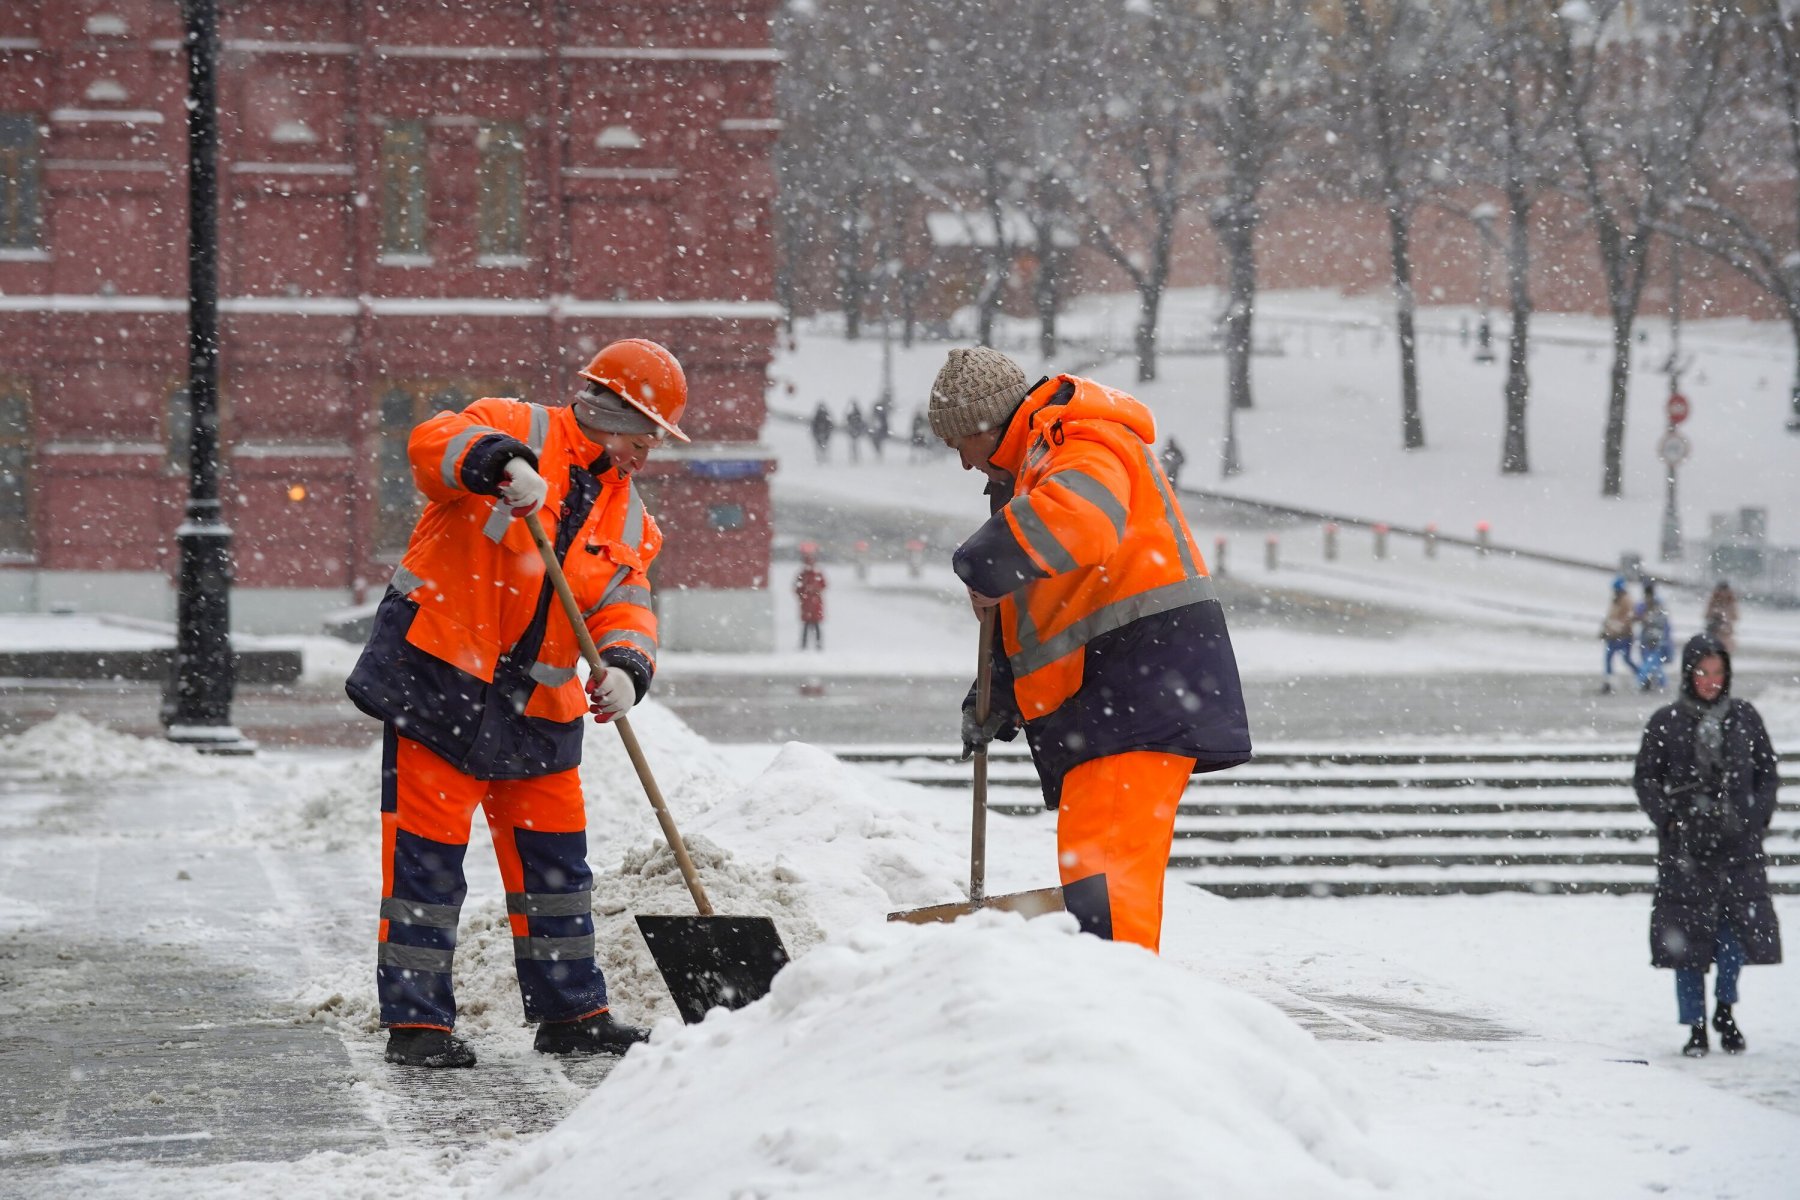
x=610 y=695
x=522 y=489
x=977 y=734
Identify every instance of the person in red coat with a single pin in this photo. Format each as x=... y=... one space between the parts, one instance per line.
x=809 y=586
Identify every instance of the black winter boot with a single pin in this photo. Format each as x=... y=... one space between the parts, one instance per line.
x=1697 y=1045
x=1731 y=1039
x=598 y=1034
x=428 y=1048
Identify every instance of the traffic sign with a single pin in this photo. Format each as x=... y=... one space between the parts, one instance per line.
x=1674 y=447
x=1678 y=408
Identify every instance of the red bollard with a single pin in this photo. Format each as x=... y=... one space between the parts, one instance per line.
x=1218 y=559
x=1482 y=545
x=915 y=556
x=1381 y=532
x=1272 y=553
x=1331 y=532
x=1431 y=541
x=860 y=553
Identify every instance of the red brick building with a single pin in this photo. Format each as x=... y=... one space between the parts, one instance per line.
x=421 y=204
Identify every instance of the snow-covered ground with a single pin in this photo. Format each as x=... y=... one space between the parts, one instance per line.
x=1497 y=1046
x=1464 y=1046
x=1325 y=430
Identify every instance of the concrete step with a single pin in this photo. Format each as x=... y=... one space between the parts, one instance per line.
x=1364 y=880
x=1291 y=755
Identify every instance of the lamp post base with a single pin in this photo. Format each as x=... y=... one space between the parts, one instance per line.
x=224 y=740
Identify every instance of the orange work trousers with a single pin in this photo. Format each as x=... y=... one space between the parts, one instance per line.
x=1117 y=820
x=539 y=829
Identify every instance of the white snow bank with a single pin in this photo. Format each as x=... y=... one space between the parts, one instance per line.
x=70 y=748
x=859 y=844
x=989 y=1058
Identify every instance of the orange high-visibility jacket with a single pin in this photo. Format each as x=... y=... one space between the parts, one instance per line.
x=470 y=652
x=1112 y=638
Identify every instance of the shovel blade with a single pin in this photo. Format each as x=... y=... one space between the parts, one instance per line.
x=714 y=962
x=1031 y=904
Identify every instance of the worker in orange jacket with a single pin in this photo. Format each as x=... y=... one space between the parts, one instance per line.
x=471 y=668
x=1112 y=652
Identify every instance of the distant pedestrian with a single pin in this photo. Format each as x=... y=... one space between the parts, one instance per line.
x=878 y=426
x=1172 y=460
x=854 y=428
x=921 y=437
x=1615 y=631
x=1722 y=615
x=1707 y=778
x=1654 y=638
x=822 y=426
x=809 y=586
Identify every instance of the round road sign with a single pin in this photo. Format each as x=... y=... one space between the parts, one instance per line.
x=1678 y=408
x=1673 y=448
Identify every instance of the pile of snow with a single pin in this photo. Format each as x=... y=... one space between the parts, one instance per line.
x=992 y=1057
x=68 y=748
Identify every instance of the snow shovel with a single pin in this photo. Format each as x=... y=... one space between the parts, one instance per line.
x=1032 y=904
x=708 y=961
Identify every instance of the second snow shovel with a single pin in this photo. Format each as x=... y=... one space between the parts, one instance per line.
x=1032 y=904
x=708 y=961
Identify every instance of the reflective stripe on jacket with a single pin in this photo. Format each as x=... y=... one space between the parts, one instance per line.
x=1112 y=638
x=470 y=653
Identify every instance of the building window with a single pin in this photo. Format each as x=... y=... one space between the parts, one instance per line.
x=20 y=184
x=402 y=406
x=403 y=192
x=178 y=429
x=15 y=468
x=502 y=184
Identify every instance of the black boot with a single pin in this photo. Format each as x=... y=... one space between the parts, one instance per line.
x=1697 y=1045
x=1731 y=1039
x=428 y=1048
x=598 y=1034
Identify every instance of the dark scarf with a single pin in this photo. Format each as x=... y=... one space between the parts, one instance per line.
x=1709 y=732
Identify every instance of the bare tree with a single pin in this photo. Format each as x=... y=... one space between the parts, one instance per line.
x=1140 y=161
x=1636 y=99
x=1510 y=138
x=1257 y=55
x=1733 y=215
x=1395 y=64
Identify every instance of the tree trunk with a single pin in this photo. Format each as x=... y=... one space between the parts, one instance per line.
x=1412 y=425
x=1240 y=313
x=1149 y=303
x=1612 y=473
x=853 y=279
x=1515 y=458
x=1794 y=390
x=1044 y=296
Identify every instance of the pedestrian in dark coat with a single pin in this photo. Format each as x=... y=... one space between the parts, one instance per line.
x=822 y=426
x=854 y=428
x=1706 y=776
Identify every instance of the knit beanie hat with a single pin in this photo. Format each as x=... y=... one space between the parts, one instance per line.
x=604 y=409
x=977 y=390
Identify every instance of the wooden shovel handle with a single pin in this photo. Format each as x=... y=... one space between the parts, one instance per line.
x=984 y=702
x=572 y=610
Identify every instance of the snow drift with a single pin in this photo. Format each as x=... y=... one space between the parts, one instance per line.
x=990 y=1058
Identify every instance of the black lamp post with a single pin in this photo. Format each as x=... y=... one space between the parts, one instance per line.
x=1483 y=215
x=196 y=707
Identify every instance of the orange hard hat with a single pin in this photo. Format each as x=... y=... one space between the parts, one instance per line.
x=646 y=376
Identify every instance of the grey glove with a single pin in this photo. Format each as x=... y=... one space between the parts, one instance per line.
x=977 y=734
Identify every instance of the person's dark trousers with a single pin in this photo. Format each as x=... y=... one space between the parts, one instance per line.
x=811 y=629
x=1690 y=985
x=1619 y=648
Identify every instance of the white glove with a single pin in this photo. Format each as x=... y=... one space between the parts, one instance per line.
x=612 y=695
x=522 y=489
